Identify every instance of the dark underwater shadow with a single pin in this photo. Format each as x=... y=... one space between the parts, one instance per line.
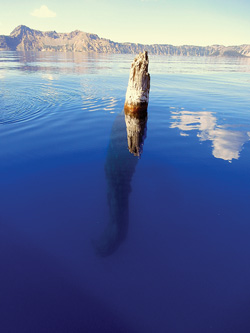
x=126 y=142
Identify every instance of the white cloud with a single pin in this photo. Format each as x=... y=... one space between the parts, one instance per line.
x=43 y=11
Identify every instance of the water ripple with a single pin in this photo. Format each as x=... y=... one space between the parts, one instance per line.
x=22 y=107
x=27 y=102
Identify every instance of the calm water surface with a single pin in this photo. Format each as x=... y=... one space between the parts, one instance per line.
x=115 y=224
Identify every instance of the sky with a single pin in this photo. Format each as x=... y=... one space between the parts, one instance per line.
x=177 y=22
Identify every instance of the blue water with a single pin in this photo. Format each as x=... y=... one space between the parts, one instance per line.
x=99 y=233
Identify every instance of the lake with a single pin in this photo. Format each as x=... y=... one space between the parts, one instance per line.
x=110 y=223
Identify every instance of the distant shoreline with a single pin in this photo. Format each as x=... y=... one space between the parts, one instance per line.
x=22 y=38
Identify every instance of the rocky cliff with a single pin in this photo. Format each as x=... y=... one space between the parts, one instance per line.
x=23 y=38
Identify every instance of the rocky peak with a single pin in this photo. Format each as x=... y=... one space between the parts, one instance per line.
x=20 y=30
x=75 y=33
x=93 y=36
x=52 y=34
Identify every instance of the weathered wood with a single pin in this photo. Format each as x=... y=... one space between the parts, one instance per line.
x=137 y=95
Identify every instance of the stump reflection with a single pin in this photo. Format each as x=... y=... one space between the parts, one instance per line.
x=125 y=148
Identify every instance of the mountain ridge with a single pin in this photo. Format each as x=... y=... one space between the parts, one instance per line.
x=23 y=38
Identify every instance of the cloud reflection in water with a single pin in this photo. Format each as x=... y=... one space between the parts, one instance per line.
x=226 y=143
